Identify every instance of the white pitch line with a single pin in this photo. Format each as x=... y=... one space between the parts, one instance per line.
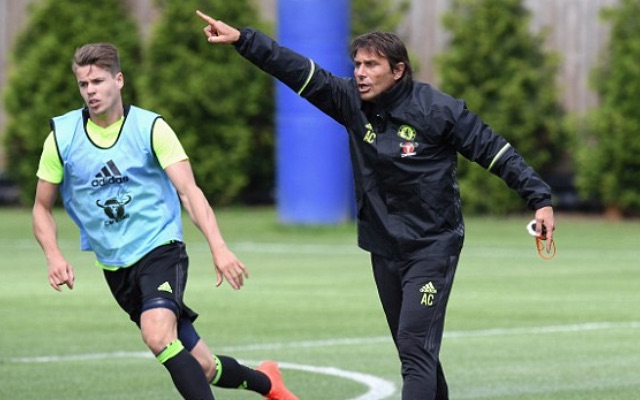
x=470 y=251
x=80 y=357
x=311 y=344
x=591 y=326
x=378 y=388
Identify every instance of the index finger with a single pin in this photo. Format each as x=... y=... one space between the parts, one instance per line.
x=205 y=17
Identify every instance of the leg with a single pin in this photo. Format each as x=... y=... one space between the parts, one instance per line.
x=159 y=332
x=426 y=287
x=158 y=327
x=206 y=360
x=197 y=347
x=162 y=277
x=150 y=291
x=414 y=296
x=387 y=278
x=227 y=372
x=442 y=389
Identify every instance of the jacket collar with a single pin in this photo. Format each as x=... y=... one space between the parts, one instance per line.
x=389 y=99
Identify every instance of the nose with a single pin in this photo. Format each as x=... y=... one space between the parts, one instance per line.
x=359 y=71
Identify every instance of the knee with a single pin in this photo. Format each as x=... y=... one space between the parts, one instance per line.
x=414 y=351
x=158 y=325
x=158 y=331
x=411 y=342
x=156 y=340
x=408 y=343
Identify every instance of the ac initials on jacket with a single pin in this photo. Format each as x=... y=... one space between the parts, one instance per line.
x=370 y=135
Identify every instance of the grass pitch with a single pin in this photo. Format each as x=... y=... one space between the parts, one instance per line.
x=518 y=327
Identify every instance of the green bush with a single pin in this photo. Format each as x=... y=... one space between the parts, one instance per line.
x=220 y=106
x=607 y=151
x=500 y=69
x=377 y=15
x=41 y=84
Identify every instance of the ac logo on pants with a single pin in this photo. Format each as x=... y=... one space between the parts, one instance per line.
x=428 y=294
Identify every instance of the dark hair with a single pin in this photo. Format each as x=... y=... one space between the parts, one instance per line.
x=103 y=55
x=387 y=45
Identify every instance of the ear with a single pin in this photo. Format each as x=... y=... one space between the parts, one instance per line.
x=398 y=71
x=120 y=80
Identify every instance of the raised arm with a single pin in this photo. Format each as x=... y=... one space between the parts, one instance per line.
x=335 y=96
x=218 y=31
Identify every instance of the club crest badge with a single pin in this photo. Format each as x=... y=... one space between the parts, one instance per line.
x=407 y=132
x=408 y=149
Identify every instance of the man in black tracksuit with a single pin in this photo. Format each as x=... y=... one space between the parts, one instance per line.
x=404 y=140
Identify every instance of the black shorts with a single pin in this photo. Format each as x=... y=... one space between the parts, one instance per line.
x=161 y=274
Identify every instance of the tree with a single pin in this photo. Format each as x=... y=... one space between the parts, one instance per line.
x=607 y=153
x=500 y=68
x=41 y=84
x=377 y=15
x=218 y=104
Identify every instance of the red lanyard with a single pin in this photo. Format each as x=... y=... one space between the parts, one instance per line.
x=541 y=242
x=542 y=248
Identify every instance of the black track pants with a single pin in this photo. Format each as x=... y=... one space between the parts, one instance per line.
x=414 y=295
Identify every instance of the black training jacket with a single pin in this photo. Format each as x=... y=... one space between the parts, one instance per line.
x=404 y=153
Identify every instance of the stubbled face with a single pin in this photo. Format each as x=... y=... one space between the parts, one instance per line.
x=101 y=93
x=373 y=74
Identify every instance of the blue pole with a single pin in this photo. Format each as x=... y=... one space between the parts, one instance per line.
x=314 y=180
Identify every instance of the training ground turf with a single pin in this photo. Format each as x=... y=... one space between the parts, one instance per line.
x=518 y=327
